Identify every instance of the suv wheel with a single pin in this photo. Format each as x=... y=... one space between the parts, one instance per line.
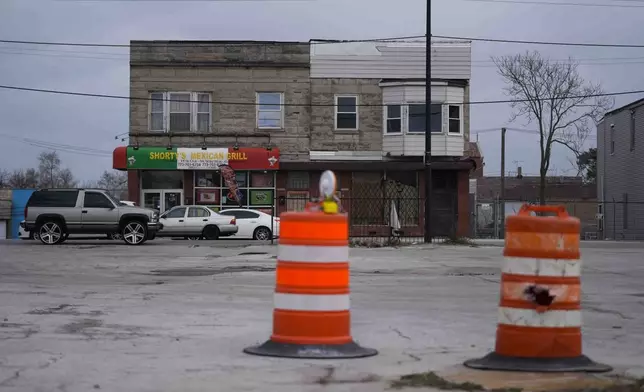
x=134 y=233
x=50 y=233
x=211 y=232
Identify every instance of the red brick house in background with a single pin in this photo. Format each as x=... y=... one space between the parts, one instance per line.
x=280 y=113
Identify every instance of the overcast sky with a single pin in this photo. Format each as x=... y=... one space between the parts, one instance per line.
x=94 y=122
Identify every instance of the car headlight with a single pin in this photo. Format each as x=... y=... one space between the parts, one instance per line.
x=155 y=217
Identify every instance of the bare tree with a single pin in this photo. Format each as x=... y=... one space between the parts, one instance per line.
x=23 y=179
x=113 y=179
x=4 y=178
x=49 y=167
x=554 y=96
x=65 y=179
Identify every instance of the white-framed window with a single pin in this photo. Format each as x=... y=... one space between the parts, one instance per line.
x=346 y=112
x=393 y=119
x=270 y=110
x=416 y=118
x=180 y=112
x=203 y=112
x=157 y=112
x=454 y=119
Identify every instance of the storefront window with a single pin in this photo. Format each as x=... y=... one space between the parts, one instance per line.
x=207 y=179
x=257 y=189
x=162 y=179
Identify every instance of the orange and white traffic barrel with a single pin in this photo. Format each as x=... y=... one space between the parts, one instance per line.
x=539 y=316
x=311 y=315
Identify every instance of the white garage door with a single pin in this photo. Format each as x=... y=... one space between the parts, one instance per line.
x=3 y=230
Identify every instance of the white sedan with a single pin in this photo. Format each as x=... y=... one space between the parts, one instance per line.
x=196 y=222
x=253 y=224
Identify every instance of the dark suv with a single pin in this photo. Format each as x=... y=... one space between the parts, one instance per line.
x=53 y=214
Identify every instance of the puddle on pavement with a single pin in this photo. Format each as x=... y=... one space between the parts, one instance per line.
x=210 y=271
x=535 y=382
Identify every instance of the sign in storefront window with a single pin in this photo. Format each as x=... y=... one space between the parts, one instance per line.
x=257 y=189
x=207 y=179
x=260 y=197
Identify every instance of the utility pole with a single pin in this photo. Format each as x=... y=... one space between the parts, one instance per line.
x=502 y=203
x=428 y=122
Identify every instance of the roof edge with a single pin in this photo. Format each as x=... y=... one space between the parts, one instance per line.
x=220 y=42
x=631 y=105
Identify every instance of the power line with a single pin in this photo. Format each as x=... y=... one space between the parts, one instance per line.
x=510 y=41
x=208 y=43
x=558 y=3
x=59 y=147
x=475 y=64
x=51 y=55
x=62 y=50
x=82 y=94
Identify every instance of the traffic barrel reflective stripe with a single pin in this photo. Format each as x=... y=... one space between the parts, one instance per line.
x=311 y=315
x=539 y=314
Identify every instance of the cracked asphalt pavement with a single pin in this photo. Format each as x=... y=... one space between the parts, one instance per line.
x=174 y=316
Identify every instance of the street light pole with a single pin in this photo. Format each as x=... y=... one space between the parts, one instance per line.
x=428 y=122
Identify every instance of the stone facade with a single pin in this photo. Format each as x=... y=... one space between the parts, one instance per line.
x=232 y=73
x=324 y=137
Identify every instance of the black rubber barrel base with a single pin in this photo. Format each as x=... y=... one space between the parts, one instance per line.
x=495 y=361
x=314 y=351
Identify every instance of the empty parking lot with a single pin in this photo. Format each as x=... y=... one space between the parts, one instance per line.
x=175 y=315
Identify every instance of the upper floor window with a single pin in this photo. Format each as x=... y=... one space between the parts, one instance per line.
x=411 y=118
x=416 y=118
x=346 y=112
x=454 y=113
x=612 y=139
x=393 y=119
x=180 y=112
x=270 y=110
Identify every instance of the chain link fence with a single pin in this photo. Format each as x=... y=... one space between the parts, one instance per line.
x=608 y=220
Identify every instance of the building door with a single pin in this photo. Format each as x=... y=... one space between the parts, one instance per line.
x=3 y=230
x=444 y=203
x=162 y=200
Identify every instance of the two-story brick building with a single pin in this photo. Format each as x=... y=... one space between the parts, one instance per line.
x=282 y=112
